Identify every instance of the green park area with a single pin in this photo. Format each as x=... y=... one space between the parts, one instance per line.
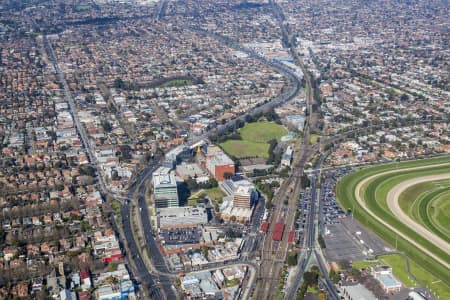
x=241 y=149
x=374 y=192
x=255 y=138
x=313 y=138
x=176 y=83
x=262 y=132
x=364 y=264
x=215 y=194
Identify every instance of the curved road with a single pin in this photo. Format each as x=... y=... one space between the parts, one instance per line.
x=362 y=203
x=392 y=201
x=138 y=184
x=159 y=284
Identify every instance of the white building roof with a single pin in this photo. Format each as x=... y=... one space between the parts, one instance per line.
x=388 y=281
x=359 y=292
x=164 y=180
x=221 y=159
x=187 y=215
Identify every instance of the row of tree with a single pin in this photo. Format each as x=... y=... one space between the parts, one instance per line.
x=231 y=131
x=40 y=209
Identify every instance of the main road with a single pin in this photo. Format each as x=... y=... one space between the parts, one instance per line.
x=158 y=284
x=137 y=187
x=133 y=251
x=292 y=90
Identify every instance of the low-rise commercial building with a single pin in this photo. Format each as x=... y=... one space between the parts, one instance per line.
x=286 y=158
x=175 y=217
x=176 y=155
x=192 y=170
x=218 y=163
x=238 y=214
x=387 y=280
x=357 y=292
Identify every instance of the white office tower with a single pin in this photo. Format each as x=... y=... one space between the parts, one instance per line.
x=165 y=190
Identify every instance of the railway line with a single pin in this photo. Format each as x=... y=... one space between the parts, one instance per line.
x=271 y=264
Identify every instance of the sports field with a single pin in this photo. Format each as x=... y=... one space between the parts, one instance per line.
x=255 y=139
x=429 y=204
x=365 y=192
x=240 y=149
x=262 y=132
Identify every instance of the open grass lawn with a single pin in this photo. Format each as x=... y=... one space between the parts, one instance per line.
x=176 y=83
x=408 y=197
x=241 y=149
x=215 y=194
x=398 y=265
x=198 y=194
x=255 y=137
x=429 y=210
x=364 y=264
x=395 y=261
x=262 y=132
x=312 y=289
x=438 y=211
x=313 y=138
x=192 y=201
x=232 y=282
x=437 y=285
x=82 y=7
x=375 y=196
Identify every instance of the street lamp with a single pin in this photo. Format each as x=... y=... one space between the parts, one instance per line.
x=396 y=241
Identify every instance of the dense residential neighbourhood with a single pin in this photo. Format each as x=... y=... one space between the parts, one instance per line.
x=195 y=149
